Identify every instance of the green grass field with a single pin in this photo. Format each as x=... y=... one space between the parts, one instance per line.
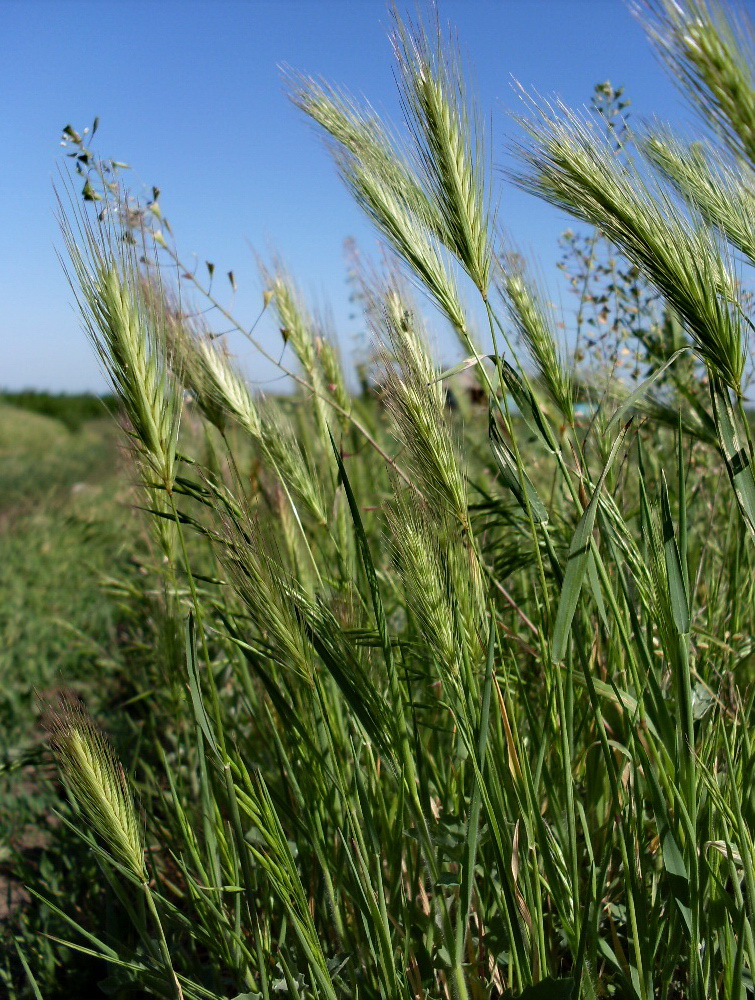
x=62 y=520
x=65 y=527
x=60 y=529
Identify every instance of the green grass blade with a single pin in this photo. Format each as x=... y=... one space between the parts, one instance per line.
x=525 y=493
x=29 y=974
x=642 y=389
x=736 y=452
x=677 y=588
x=577 y=562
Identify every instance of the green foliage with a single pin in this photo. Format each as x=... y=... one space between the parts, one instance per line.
x=433 y=701
x=72 y=410
x=63 y=521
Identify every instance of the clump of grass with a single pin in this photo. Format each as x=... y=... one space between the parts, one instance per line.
x=464 y=704
x=73 y=410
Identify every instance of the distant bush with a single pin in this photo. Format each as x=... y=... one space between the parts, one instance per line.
x=71 y=410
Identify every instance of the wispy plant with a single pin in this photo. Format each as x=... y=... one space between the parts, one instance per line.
x=724 y=194
x=358 y=131
x=98 y=784
x=396 y=198
x=127 y=327
x=709 y=50
x=571 y=165
x=450 y=143
x=416 y=399
x=535 y=327
x=207 y=369
x=297 y=327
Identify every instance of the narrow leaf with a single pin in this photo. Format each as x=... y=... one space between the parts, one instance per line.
x=195 y=689
x=676 y=585
x=642 y=388
x=735 y=452
x=577 y=563
x=522 y=488
x=463 y=366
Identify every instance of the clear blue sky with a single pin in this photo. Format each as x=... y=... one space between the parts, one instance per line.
x=190 y=94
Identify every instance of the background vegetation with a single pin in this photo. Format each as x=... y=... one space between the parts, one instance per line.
x=72 y=410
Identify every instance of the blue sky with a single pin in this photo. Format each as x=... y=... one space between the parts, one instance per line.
x=190 y=94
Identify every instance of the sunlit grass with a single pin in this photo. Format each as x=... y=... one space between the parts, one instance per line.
x=437 y=701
